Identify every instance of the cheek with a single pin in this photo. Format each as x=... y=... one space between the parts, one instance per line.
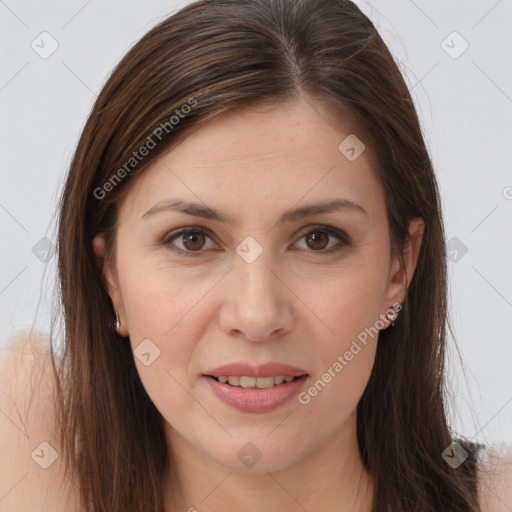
x=170 y=316
x=349 y=302
x=344 y=360
x=159 y=298
x=165 y=315
x=349 y=308
x=163 y=308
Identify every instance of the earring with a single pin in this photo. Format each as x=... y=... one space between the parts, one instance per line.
x=391 y=316
x=115 y=325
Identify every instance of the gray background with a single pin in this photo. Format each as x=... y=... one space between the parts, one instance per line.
x=464 y=99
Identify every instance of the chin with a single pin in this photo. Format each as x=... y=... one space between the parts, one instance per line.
x=257 y=456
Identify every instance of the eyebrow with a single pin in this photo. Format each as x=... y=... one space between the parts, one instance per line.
x=201 y=210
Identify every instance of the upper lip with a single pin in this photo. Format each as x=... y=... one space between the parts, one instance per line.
x=249 y=370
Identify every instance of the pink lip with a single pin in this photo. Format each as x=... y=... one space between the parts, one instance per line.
x=248 y=370
x=256 y=400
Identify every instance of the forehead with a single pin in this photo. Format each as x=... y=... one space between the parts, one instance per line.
x=267 y=156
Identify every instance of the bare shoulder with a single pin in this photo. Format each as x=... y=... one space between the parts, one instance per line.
x=495 y=478
x=31 y=470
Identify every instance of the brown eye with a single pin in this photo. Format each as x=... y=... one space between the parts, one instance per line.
x=194 y=240
x=317 y=240
x=190 y=242
x=322 y=240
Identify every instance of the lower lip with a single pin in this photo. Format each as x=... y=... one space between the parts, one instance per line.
x=256 y=400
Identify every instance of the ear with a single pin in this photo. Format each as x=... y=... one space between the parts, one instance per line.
x=401 y=275
x=98 y=245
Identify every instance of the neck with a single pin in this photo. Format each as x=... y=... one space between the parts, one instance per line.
x=332 y=477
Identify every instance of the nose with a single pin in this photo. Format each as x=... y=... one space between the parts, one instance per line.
x=257 y=303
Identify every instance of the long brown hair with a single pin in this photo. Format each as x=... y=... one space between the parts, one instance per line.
x=215 y=56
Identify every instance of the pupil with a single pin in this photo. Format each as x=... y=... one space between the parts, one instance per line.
x=315 y=237
x=192 y=237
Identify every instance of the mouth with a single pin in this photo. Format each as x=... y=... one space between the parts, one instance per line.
x=255 y=382
x=255 y=394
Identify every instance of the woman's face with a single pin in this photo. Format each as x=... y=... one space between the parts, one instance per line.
x=258 y=280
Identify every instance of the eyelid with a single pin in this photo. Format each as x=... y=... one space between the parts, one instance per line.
x=341 y=235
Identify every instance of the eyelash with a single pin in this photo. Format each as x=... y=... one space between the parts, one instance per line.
x=341 y=235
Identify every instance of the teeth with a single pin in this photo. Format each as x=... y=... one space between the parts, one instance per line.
x=253 y=382
x=234 y=381
x=249 y=382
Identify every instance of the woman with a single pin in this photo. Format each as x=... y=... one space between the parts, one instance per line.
x=253 y=277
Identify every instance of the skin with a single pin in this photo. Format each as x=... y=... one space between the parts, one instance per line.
x=291 y=305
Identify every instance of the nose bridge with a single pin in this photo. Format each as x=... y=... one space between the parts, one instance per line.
x=255 y=303
x=257 y=283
